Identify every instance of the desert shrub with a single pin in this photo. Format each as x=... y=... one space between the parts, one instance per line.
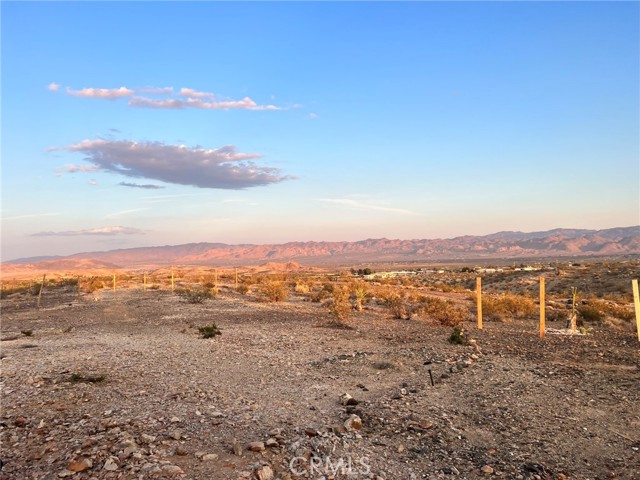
x=209 y=331
x=300 y=286
x=6 y=291
x=508 y=306
x=325 y=292
x=93 y=284
x=556 y=315
x=243 y=288
x=339 y=305
x=274 y=290
x=457 y=336
x=396 y=305
x=596 y=310
x=445 y=312
x=359 y=293
x=196 y=295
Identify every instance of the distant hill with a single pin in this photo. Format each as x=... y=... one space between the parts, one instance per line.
x=501 y=245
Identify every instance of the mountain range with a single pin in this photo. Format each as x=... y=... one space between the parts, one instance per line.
x=559 y=242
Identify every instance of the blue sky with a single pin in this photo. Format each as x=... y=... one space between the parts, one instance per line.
x=153 y=123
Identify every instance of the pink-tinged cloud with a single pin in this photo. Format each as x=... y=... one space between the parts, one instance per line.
x=146 y=186
x=72 y=168
x=223 y=167
x=53 y=87
x=106 y=93
x=155 y=90
x=173 y=103
x=190 y=92
x=101 y=231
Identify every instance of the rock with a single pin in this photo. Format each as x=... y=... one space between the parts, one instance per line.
x=354 y=422
x=209 y=457
x=311 y=432
x=487 y=469
x=174 y=420
x=110 y=465
x=176 y=435
x=346 y=399
x=403 y=391
x=256 y=447
x=264 y=473
x=272 y=442
x=172 y=470
x=20 y=422
x=144 y=438
x=180 y=450
x=79 y=466
x=217 y=414
x=236 y=447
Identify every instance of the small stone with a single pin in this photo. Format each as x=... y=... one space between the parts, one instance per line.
x=487 y=469
x=346 y=399
x=172 y=470
x=20 y=422
x=80 y=466
x=209 y=457
x=217 y=414
x=354 y=422
x=110 y=465
x=272 y=442
x=400 y=448
x=275 y=432
x=311 y=432
x=199 y=454
x=256 y=447
x=174 y=420
x=237 y=448
x=403 y=391
x=144 y=438
x=264 y=473
x=181 y=451
x=176 y=435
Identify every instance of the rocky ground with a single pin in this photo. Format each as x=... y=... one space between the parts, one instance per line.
x=121 y=386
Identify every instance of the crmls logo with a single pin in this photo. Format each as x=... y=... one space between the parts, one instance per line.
x=301 y=466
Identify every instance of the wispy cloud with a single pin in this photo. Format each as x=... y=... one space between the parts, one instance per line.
x=363 y=206
x=31 y=215
x=125 y=212
x=147 y=186
x=72 y=168
x=106 y=93
x=166 y=98
x=101 y=231
x=224 y=167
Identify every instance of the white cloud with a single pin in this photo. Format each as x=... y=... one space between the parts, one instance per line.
x=146 y=186
x=125 y=212
x=166 y=98
x=101 y=231
x=53 y=87
x=107 y=93
x=312 y=116
x=357 y=205
x=223 y=167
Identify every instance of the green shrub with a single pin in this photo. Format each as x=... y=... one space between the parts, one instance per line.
x=359 y=294
x=209 y=331
x=457 y=336
x=196 y=295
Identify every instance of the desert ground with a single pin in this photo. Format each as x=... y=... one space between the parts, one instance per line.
x=104 y=384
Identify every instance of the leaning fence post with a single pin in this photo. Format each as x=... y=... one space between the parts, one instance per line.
x=114 y=282
x=479 y=301
x=144 y=282
x=44 y=277
x=172 y=282
x=636 y=303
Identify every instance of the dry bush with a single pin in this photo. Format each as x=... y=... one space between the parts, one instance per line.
x=301 y=287
x=445 y=312
x=274 y=290
x=597 y=310
x=323 y=293
x=508 y=306
x=197 y=295
x=243 y=288
x=339 y=305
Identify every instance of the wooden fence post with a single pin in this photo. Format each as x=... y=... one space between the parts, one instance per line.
x=479 y=301
x=172 y=282
x=542 y=309
x=144 y=282
x=44 y=277
x=636 y=303
x=236 y=278
x=114 y=282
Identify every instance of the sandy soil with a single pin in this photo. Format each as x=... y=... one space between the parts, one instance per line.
x=174 y=405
